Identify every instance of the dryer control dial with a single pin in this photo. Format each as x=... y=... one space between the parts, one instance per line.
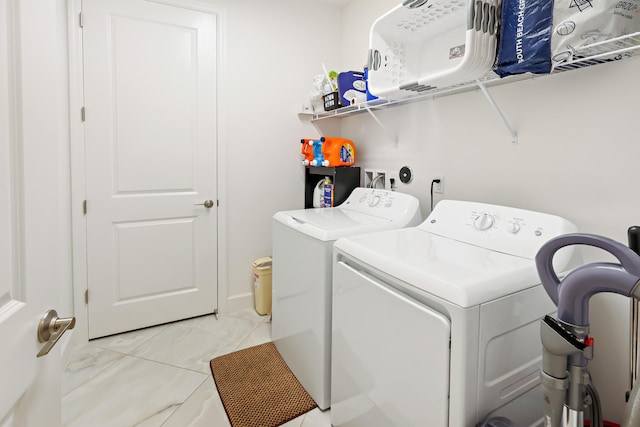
x=513 y=228
x=483 y=222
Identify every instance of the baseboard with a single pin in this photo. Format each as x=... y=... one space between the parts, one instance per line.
x=239 y=302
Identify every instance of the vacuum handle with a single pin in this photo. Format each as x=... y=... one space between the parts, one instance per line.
x=633 y=234
x=544 y=257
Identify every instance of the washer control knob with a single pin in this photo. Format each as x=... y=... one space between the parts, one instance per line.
x=388 y=203
x=483 y=222
x=513 y=228
x=374 y=201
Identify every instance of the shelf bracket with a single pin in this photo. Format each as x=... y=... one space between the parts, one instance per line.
x=390 y=135
x=514 y=135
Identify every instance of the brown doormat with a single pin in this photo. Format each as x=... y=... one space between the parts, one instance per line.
x=258 y=389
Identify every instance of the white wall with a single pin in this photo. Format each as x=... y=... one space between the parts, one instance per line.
x=273 y=51
x=576 y=157
x=357 y=18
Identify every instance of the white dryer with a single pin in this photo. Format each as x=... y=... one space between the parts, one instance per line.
x=438 y=325
x=303 y=271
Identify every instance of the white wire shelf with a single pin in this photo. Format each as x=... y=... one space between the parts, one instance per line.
x=614 y=49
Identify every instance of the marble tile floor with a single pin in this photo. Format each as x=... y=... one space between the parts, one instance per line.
x=160 y=376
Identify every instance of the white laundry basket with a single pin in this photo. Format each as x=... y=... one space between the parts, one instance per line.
x=427 y=44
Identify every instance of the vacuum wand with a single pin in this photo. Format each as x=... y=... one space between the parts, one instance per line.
x=633 y=235
x=567 y=346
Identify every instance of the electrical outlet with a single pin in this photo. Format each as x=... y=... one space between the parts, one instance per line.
x=438 y=187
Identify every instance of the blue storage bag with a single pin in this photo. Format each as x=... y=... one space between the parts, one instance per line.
x=525 y=37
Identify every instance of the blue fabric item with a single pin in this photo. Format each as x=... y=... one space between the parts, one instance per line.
x=525 y=37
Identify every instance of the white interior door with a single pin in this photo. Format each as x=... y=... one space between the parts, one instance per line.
x=150 y=98
x=33 y=202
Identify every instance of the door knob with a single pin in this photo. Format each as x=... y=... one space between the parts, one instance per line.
x=50 y=329
x=207 y=204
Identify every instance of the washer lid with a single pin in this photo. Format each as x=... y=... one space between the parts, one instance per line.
x=331 y=223
x=464 y=274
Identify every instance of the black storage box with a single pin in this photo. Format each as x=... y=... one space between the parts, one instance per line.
x=332 y=101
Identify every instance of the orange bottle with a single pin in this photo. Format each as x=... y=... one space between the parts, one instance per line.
x=328 y=151
x=338 y=152
x=307 y=151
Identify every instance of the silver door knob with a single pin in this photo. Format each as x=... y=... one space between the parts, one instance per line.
x=207 y=204
x=50 y=329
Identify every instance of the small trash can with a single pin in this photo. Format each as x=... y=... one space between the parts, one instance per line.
x=262 y=284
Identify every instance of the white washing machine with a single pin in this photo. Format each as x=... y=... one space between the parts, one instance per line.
x=438 y=325
x=303 y=271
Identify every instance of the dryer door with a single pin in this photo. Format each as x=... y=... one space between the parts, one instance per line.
x=390 y=356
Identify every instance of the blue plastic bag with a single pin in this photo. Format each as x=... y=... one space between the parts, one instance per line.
x=525 y=37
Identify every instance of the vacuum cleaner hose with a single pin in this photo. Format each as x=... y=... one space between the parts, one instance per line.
x=596 y=409
x=632 y=410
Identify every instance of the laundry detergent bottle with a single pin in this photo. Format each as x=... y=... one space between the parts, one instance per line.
x=319 y=193
x=327 y=193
